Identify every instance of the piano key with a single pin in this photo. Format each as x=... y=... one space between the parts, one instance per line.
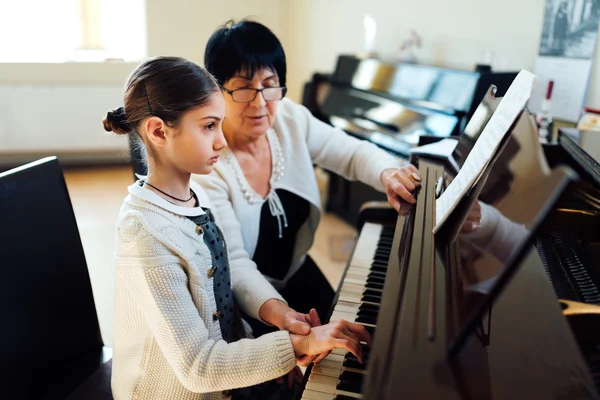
x=341 y=352
x=328 y=384
x=353 y=363
x=329 y=363
x=321 y=370
x=363 y=319
x=334 y=358
x=313 y=395
x=359 y=296
x=350 y=382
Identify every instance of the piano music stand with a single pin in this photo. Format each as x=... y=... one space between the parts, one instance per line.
x=564 y=178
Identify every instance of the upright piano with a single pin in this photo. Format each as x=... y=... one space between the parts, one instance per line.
x=394 y=105
x=410 y=289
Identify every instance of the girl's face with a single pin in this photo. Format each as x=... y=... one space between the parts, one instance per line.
x=195 y=147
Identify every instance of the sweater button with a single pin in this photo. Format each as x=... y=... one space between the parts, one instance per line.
x=217 y=315
x=226 y=393
x=199 y=230
x=211 y=272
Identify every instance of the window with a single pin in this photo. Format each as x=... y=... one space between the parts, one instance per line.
x=72 y=30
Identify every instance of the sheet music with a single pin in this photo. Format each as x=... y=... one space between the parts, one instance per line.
x=509 y=108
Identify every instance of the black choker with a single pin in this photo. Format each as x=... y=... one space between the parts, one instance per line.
x=167 y=194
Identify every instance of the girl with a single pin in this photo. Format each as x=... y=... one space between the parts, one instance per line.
x=178 y=334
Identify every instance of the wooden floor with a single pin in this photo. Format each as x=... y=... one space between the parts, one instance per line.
x=97 y=194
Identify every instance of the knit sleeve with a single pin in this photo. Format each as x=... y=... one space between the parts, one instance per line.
x=497 y=235
x=333 y=149
x=249 y=286
x=159 y=286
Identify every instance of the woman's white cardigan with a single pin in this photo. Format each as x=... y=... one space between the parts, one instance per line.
x=304 y=142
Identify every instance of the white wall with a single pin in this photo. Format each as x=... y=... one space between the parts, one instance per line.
x=175 y=27
x=314 y=32
x=454 y=32
x=57 y=108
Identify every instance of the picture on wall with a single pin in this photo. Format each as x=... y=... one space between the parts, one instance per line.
x=570 y=28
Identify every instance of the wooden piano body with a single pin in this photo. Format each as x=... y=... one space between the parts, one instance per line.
x=405 y=285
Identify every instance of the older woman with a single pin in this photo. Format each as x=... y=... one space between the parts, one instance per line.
x=264 y=188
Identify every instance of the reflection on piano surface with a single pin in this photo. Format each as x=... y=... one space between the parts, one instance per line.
x=407 y=287
x=393 y=106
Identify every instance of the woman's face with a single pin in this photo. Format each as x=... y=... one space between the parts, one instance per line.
x=255 y=117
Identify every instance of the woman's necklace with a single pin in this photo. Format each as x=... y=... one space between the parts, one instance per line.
x=278 y=163
x=167 y=194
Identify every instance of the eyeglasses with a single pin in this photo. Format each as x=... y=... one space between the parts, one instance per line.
x=246 y=95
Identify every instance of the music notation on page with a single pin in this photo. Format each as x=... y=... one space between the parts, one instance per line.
x=486 y=146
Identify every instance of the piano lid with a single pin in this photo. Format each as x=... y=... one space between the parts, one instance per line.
x=441 y=89
x=393 y=104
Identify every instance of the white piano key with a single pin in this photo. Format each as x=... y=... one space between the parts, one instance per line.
x=346 y=308
x=336 y=316
x=366 y=245
x=340 y=352
x=324 y=376
x=322 y=383
x=349 y=298
x=318 y=369
x=351 y=290
x=334 y=358
x=358 y=271
x=328 y=363
x=312 y=395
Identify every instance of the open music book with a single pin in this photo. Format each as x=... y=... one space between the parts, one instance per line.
x=486 y=146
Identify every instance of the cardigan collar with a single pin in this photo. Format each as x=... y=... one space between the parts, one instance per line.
x=141 y=192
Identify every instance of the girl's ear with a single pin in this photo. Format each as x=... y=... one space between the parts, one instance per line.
x=155 y=131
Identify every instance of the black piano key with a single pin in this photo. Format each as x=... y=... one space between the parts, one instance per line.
x=379 y=263
x=371 y=330
x=377 y=274
x=352 y=362
x=379 y=268
x=350 y=381
x=376 y=277
x=367 y=319
x=375 y=286
x=371 y=292
x=382 y=259
x=367 y=312
x=371 y=299
x=366 y=306
x=375 y=280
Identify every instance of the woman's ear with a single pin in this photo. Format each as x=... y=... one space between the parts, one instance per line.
x=155 y=131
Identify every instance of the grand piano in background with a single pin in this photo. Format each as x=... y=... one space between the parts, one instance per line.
x=540 y=338
x=393 y=106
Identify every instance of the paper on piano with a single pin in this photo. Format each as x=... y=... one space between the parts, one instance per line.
x=442 y=149
x=486 y=146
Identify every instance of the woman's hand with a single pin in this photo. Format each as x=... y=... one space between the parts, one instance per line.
x=400 y=184
x=324 y=338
